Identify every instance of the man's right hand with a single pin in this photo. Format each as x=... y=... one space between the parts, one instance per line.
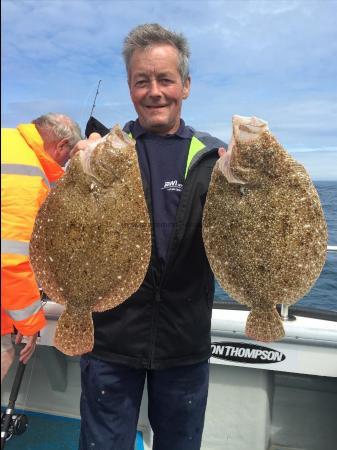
x=29 y=348
x=83 y=144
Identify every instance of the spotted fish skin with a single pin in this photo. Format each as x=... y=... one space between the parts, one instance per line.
x=91 y=243
x=264 y=230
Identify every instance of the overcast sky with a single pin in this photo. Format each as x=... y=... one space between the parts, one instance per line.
x=275 y=59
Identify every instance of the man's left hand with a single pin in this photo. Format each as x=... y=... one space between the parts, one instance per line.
x=221 y=151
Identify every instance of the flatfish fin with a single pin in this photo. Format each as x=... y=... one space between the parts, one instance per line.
x=264 y=325
x=74 y=333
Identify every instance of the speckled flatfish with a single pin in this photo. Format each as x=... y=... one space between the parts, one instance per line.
x=264 y=229
x=91 y=243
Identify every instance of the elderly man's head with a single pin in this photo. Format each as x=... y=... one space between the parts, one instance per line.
x=59 y=134
x=158 y=75
x=150 y=35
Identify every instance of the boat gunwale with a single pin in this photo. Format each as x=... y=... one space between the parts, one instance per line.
x=312 y=313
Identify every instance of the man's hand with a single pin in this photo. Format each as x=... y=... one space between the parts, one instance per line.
x=28 y=349
x=221 y=151
x=83 y=144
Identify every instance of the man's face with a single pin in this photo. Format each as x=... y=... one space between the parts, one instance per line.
x=63 y=154
x=156 y=88
x=59 y=151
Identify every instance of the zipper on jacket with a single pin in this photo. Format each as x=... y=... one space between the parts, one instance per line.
x=160 y=277
x=154 y=325
x=173 y=237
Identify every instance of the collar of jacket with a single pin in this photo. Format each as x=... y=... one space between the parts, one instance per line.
x=201 y=144
x=50 y=167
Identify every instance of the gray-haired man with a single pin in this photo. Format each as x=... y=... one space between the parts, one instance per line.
x=162 y=333
x=32 y=157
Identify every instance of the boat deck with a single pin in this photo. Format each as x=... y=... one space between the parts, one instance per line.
x=49 y=432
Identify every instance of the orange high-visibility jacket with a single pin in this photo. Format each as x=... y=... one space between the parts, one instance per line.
x=27 y=173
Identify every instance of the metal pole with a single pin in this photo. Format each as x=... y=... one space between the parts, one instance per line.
x=284 y=312
x=6 y=420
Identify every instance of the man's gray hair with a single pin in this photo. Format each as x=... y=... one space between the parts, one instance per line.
x=56 y=127
x=148 y=35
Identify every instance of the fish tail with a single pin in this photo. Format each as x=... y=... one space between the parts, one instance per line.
x=74 y=333
x=264 y=325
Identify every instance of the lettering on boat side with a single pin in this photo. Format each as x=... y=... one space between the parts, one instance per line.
x=246 y=353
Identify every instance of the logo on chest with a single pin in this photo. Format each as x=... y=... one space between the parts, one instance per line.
x=172 y=186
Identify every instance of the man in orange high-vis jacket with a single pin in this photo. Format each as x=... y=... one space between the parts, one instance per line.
x=32 y=156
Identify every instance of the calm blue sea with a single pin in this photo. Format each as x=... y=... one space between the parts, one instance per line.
x=323 y=295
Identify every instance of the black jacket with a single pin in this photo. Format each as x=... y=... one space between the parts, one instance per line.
x=166 y=323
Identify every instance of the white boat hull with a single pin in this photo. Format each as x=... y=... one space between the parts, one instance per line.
x=283 y=396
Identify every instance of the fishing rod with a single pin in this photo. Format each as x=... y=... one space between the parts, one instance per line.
x=94 y=104
x=94 y=125
x=13 y=423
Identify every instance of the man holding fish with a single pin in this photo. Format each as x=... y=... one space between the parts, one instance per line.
x=132 y=265
x=162 y=333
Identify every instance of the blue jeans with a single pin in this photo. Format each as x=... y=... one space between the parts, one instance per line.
x=111 y=397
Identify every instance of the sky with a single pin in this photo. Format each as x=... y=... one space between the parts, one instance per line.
x=274 y=59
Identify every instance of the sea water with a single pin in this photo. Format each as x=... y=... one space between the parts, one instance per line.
x=323 y=295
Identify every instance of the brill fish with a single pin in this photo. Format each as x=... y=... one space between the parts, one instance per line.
x=264 y=229
x=91 y=243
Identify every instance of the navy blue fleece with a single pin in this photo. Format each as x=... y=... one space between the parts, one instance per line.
x=162 y=161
